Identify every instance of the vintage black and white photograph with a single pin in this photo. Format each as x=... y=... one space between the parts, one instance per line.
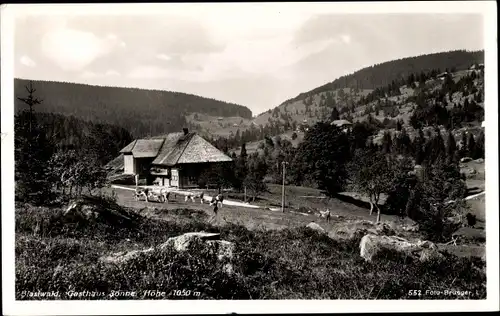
x=250 y=151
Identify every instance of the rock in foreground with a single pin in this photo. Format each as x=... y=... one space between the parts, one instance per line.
x=371 y=245
x=359 y=228
x=223 y=249
x=314 y=226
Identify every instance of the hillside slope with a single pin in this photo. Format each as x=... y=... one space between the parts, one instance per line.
x=142 y=112
x=454 y=101
x=380 y=75
x=366 y=91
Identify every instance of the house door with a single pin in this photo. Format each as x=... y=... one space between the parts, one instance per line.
x=174 y=180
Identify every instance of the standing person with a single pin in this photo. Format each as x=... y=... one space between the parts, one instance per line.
x=136 y=180
x=215 y=203
x=216 y=208
x=328 y=215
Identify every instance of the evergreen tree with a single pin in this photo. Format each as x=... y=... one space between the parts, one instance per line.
x=387 y=143
x=335 y=115
x=463 y=145
x=451 y=149
x=479 y=148
x=240 y=168
x=471 y=146
x=33 y=151
x=418 y=147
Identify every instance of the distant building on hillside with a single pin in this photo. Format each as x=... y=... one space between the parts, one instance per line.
x=345 y=125
x=442 y=75
x=175 y=159
x=477 y=67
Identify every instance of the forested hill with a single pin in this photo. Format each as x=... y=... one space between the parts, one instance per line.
x=142 y=112
x=383 y=74
x=68 y=132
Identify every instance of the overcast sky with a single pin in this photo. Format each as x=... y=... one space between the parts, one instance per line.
x=255 y=57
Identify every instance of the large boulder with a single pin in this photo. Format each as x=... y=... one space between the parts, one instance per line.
x=371 y=245
x=80 y=208
x=314 y=226
x=97 y=209
x=358 y=228
x=183 y=242
x=428 y=254
x=222 y=248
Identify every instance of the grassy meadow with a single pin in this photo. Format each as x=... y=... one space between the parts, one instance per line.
x=276 y=257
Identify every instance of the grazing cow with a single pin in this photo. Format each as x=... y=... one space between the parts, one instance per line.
x=141 y=192
x=193 y=196
x=161 y=195
x=217 y=200
x=326 y=214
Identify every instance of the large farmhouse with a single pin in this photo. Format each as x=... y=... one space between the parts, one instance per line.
x=175 y=159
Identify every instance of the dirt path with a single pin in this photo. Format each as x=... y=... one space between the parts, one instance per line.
x=251 y=218
x=205 y=197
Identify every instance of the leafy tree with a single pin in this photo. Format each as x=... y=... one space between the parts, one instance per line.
x=372 y=175
x=359 y=135
x=442 y=183
x=399 y=192
x=221 y=175
x=59 y=164
x=254 y=180
x=322 y=155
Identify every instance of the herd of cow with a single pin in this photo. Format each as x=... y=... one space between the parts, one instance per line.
x=162 y=195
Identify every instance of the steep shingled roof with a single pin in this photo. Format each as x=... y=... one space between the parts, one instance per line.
x=176 y=148
x=144 y=148
x=173 y=149
x=200 y=150
x=191 y=148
